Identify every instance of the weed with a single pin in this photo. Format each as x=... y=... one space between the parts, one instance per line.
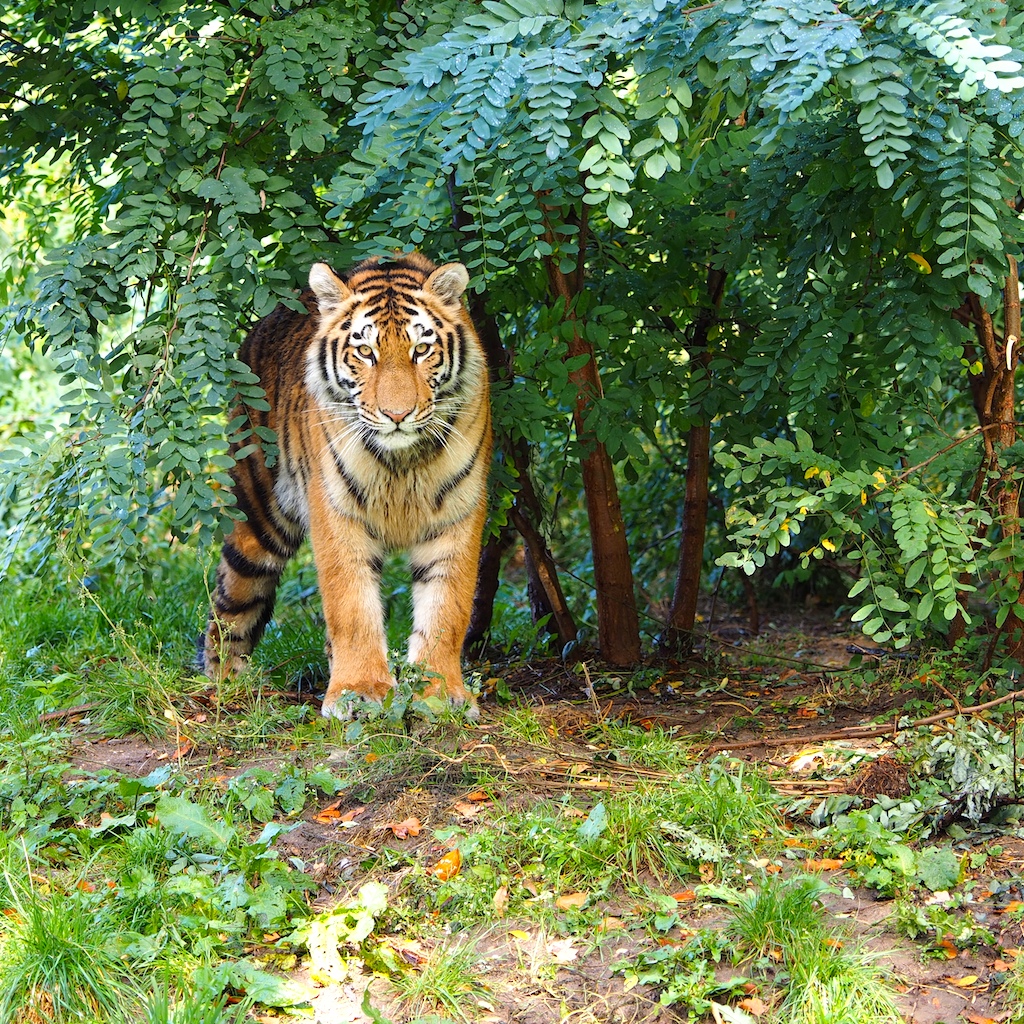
x=829 y=985
x=657 y=748
x=520 y=721
x=941 y=925
x=1015 y=992
x=683 y=972
x=161 y=1007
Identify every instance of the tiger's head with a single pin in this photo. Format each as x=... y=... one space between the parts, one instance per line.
x=395 y=355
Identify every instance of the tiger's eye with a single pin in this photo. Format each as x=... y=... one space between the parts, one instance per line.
x=421 y=349
x=365 y=351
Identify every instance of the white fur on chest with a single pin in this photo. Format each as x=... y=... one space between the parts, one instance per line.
x=399 y=507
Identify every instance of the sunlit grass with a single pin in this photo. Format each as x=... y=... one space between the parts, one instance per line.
x=56 y=964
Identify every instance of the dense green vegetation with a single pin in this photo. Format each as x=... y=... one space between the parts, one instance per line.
x=251 y=856
x=763 y=243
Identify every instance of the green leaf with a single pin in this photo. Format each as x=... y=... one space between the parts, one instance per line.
x=181 y=815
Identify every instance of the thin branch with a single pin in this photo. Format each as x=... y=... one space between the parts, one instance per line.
x=862 y=732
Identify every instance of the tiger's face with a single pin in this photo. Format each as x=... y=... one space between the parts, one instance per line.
x=390 y=352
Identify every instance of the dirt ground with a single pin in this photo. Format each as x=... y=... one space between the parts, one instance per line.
x=778 y=710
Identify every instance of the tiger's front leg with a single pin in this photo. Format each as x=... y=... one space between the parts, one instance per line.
x=348 y=565
x=443 y=583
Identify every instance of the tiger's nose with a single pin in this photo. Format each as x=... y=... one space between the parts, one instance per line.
x=397 y=415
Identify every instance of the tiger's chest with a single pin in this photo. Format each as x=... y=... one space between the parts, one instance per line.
x=399 y=505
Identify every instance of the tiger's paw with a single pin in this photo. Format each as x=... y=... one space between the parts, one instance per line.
x=455 y=694
x=341 y=699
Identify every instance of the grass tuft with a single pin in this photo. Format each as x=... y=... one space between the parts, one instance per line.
x=55 y=965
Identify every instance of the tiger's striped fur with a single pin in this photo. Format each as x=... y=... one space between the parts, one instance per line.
x=379 y=399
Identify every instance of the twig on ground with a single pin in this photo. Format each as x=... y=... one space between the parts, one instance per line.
x=861 y=732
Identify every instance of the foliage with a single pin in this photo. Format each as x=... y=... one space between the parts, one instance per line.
x=851 y=169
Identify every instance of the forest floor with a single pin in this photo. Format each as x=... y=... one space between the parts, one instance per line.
x=492 y=937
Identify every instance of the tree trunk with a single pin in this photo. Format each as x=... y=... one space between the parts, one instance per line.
x=993 y=392
x=678 y=635
x=617 y=622
x=526 y=512
x=487 y=581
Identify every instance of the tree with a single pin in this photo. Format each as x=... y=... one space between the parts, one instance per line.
x=759 y=227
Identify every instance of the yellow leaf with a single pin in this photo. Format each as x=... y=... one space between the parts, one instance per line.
x=500 y=900
x=922 y=264
x=965 y=982
x=826 y=476
x=828 y=544
x=813 y=471
x=630 y=981
x=517 y=933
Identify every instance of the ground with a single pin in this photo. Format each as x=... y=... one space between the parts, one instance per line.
x=795 y=712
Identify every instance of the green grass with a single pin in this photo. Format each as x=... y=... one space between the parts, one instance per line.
x=57 y=962
x=183 y=897
x=448 y=981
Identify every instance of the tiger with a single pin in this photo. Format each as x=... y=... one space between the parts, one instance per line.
x=378 y=395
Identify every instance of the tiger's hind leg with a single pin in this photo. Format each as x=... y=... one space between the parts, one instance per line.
x=243 y=599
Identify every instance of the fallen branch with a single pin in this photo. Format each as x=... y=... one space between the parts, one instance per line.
x=862 y=732
x=51 y=716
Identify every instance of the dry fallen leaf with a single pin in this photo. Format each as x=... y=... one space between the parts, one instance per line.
x=571 y=900
x=707 y=872
x=448 y=866
x=686 y=896
x=754 y=1005
x=611 y=924
x=351 y=813
x=500 y=900
x=517 y=933
x=327 y=815
x=477 y=796
x=562 y=950
x=1012 y=907
x=1001 y=965
x=977 y=1018
x=466 y=809
x=826 y=864
x=965 y=982
x=404 y=829
x=950 y=951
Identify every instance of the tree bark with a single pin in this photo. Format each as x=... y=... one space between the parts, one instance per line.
x=487 y=582
x=677 y=637
x=618 y=624
x=526 y=512
x=993 y=392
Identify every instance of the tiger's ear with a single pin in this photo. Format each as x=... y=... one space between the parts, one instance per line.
x=329 y=289
x=448 y=283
